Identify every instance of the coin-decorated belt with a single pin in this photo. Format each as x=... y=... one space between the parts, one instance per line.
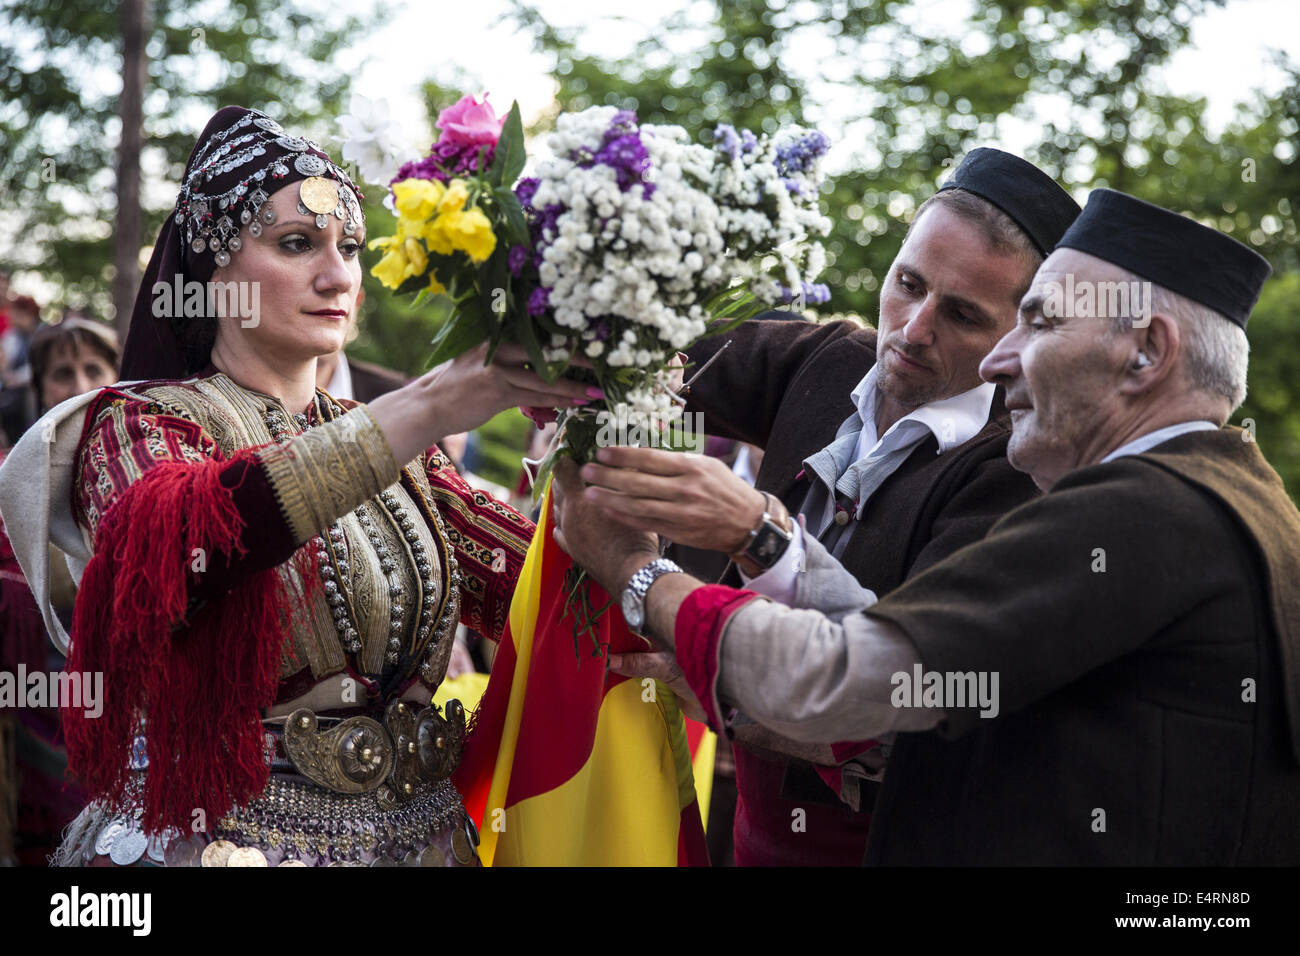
x=393 y=760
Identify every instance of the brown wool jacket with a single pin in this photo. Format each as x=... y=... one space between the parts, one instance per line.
x=784 y=386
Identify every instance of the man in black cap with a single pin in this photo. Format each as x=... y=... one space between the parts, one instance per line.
x=1112 y=675
x=885 y=442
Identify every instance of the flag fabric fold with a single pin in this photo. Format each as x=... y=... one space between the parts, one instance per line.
x=567 y=764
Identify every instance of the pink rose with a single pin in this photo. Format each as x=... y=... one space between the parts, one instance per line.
x=470 y=123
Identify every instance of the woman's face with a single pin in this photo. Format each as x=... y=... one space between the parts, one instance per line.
x=72 y=370
x=296 y=285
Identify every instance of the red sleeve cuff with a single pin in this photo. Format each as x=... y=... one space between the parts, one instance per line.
x=697 y=638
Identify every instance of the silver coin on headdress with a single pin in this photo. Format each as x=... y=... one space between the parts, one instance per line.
x=461 y=848
x=309 y=164
x=433 y=856
x=295 y=144
x=268 y=124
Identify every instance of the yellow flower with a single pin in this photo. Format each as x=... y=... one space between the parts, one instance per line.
x=471 y=231
x=434 y=234
x=404 y=257
x=435 y=287
x=416 y=257
x=391 y=269
x=455 y=198
x=416 y=199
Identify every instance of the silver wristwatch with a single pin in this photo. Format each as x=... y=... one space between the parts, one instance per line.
x=633 y=600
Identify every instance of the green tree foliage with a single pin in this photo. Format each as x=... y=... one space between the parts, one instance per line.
x=1274 y=381
x=60 y=73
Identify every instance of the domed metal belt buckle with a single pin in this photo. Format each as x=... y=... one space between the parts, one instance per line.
x=358 y=755
x=353 y=756
x=427 y=746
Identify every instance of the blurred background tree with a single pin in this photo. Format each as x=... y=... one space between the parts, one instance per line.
x=61 y=68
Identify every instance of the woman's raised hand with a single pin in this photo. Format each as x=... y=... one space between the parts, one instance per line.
x=463 y=393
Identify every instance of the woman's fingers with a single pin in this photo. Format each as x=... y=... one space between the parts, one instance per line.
x=564 y=389
x=509 y=353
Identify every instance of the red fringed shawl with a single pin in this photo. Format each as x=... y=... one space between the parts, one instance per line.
x=200 y=682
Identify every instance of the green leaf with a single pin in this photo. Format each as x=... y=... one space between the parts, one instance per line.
x=466 y=328
x=494 y=278
x=508 y=162
x=526 y=335
x=516 y=225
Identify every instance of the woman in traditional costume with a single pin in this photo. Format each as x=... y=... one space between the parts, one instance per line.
x=272 y=577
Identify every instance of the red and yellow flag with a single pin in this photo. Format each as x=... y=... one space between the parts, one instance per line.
x=567 y=764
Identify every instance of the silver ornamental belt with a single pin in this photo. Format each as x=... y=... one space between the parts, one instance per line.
x=408 y=752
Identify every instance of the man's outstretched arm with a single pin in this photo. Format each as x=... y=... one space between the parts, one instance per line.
x=794 y=671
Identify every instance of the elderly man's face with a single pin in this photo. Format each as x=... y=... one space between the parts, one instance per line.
x=947 y=300
x=1061 y=374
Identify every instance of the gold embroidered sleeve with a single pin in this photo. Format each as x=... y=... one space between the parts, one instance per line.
x=326 y=472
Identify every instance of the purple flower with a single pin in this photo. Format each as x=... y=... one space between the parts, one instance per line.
x=624 y=122
x=516 y=259
x=628 y=157
x=748 y=142
x=622 y=150
x=525 y=190
x=548 y=219
x=814 y=293
x=799 y=156
x=426 y=168
x=539 y=301
x=727 y=140
x=446 y=160
x=601 y=328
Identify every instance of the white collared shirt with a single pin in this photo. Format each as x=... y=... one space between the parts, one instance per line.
x=1161 y=435
x=340 y=385
x=857 y=462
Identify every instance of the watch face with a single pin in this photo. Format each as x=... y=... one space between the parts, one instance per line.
x=633 y=610
x=766 y=544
